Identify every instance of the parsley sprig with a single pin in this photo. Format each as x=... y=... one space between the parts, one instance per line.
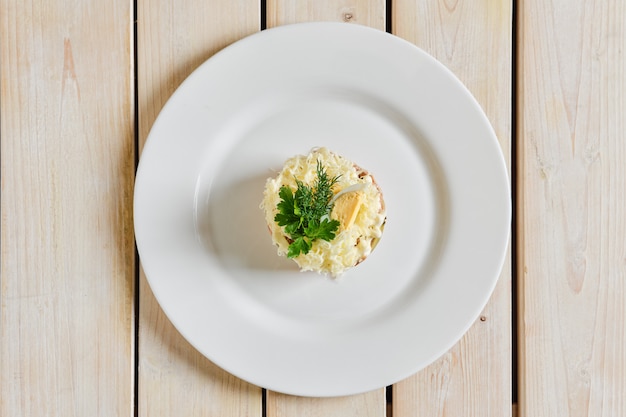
x=304 y=214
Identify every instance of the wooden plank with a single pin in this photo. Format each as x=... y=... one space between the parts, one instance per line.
x=473 y=39
x=173 y=39
x=572 y=268
x=365 y=12
x=370 y=404
x=67 y=127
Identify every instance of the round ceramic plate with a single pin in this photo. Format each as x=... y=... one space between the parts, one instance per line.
x=380 y=102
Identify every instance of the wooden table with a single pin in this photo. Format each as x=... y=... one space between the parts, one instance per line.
x=82 y=83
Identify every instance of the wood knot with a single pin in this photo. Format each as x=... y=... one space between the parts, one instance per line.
x=347 y=17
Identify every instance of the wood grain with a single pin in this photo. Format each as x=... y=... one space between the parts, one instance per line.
x=365 y=12
x=572 y=205
x=473 y=39
x=173 y=39
x=67 y=169
x=370 y=404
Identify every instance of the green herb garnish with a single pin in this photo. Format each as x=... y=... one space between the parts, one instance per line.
x=305 y=212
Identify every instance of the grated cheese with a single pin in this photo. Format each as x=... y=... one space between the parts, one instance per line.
x=355 y=241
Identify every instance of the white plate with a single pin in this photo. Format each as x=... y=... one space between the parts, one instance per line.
x=387 y=106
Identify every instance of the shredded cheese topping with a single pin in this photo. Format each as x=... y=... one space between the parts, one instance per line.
x=353 y=242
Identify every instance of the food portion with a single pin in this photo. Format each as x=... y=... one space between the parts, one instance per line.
x=324 y=212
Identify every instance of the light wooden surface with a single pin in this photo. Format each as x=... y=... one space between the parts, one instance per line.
x=363 y=12
x=474 y=40
x=369 y=13
x=572 y=179
x=73 y=342
x=172 y=40
x=67 y=320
